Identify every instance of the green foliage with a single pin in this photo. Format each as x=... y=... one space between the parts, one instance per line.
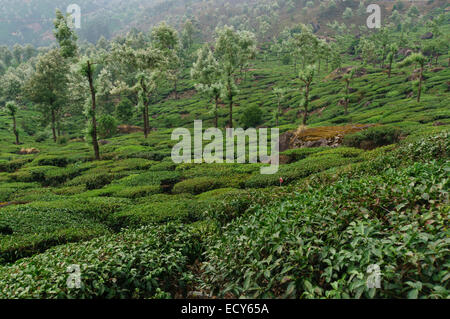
x=374 y=137
x=251 y=116
x=308 y=248
x=130 y=266
x=124 y=111
x=199 y=185
x=107 y=126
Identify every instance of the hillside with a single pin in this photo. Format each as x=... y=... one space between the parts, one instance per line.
x=363 y=180
x=31 y=22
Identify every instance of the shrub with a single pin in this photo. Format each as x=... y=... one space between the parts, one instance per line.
x=124 y=110
x=137 y=192
x=12 y=166
x=51 y=160
x=251 y=116
x=36 y=228
x=32 y=174
x=41 y=137
x=150 y=178
x=374 y=137
x=301 y=153
x=198 y=185
x=62 y=140
x=177 y=209
x=321 y=243
x=130 y=266
x=107 y=126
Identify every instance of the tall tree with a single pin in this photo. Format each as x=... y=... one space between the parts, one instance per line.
x=347 y=80
x=280 y=93
x=87 y=70
x=11 y=108
x=306 y=76
x=392 y=51
x=232 y=50
x=416 y=59
x=145 y=69
x=47 y=87
x=206 y=73
x=166 y=39
x=66 y=37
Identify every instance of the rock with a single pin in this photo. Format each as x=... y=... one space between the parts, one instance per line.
x=426 y=36
x=285 y=141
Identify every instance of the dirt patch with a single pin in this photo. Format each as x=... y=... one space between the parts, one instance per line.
x=181 y=95
x=127 y=129
x=27 y=151
x=340 y=72
x=331 y=136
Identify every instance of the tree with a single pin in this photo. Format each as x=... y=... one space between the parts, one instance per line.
x=165 y=38
x=347 y=79
x=348 y=13
x=11 y=108
x=205 y=71
x=65 y=36
x=280 y=93
x=368 y=51
x=47 y=87
x=232 y=49
x=306 y=76
x=323 y=53
x=187 y=35
x=144 y=69
x=416 y=58
x=303 y=46
x=87 y=70
x=392 y=51
x=13 y=81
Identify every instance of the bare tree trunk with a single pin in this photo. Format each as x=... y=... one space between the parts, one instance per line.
x=16 y=133
x=216 y=115
x=176 y=88
x=278 y=112
x=230 y=100
x=420 y=84
x=305 y=116
x=145 y=123
x=390 y=69
x=53 y=125
x=94 y=107
x=346 y=96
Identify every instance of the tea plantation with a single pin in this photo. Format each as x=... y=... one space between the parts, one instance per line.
x=139 y=225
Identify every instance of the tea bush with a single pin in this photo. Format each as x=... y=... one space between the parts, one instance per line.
x=199 y=185
x=322 y=243
x=130 y=266
x=374 y=137
x=35 y=229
